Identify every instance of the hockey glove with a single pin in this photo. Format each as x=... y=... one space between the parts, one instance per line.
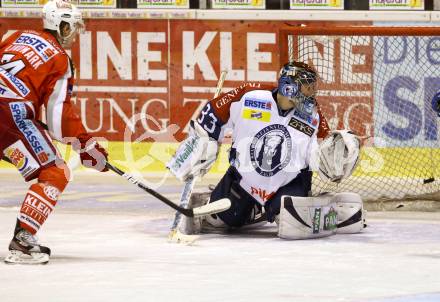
x=338 y=155
x=92 y=154
x=195 y=155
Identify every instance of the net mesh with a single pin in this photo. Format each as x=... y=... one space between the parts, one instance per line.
x=380 y=86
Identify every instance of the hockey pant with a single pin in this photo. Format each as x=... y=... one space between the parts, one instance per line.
x=25 y=143
x=243 y=205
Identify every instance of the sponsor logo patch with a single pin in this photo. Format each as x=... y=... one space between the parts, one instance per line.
x=316 y=220
x=262 y=193
x=330 y=220
x=306 y=117
x=51 y=192
x=263 y=105
x=301 y=126
x=257 y=115
x=36 y=45
x=15 y=82
x=31 y=133
x=7 y=93
x=188 y=149
x=21 y=158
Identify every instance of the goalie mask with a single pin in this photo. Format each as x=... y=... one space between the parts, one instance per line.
x=59 y=12
x=297 y=82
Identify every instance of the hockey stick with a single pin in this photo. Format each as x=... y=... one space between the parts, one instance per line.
x=208 y=209
x=189 y=184
x=211 y=208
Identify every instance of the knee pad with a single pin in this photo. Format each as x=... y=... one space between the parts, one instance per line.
x=56 y=176
x=215 y=221
x=351 y=215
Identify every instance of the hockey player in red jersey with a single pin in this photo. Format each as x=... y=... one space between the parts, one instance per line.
x=35 y=73
x=275 y=133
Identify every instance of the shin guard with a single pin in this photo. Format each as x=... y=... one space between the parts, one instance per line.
x=41 y=198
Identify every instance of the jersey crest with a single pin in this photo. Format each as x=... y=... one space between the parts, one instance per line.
x=271 y=150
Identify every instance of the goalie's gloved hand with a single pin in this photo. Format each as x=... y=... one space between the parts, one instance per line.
x=436 y=103
x=92 y=154
x=338 y=155
x=195 y=155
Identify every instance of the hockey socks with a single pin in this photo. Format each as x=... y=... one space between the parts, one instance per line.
x=39 y=202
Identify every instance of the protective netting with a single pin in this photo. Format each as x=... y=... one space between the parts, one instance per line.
x=380 y=86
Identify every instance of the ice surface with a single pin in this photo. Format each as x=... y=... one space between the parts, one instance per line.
x=109 y=243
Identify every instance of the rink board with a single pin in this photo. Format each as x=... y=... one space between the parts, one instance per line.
x=374 y=162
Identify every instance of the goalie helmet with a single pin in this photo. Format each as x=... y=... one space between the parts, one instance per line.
x=292 y=77
x=58 y=11
x=338 y=155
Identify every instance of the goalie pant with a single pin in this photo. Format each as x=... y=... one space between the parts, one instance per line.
x=27 y=146
x=243 y=205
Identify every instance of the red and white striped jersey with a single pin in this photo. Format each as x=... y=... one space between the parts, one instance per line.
x=34 y=67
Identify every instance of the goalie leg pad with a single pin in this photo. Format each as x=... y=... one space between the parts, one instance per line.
x=307 y=217
x=351 y=215
x=192 y=225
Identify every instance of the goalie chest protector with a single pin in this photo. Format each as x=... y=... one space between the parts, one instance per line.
x=269 y=149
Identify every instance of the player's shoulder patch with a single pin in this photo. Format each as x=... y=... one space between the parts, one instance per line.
x=304 y=123
x=257 y=105
x=237 y=94
x=38 y=45
x=310 y=119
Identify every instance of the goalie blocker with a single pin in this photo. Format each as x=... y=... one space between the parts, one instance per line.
x=325 y=215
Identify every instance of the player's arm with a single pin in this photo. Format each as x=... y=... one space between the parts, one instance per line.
x=338 y=152
x=198 y=152
x=323 y=128
x=64 y=123
x=338 y=155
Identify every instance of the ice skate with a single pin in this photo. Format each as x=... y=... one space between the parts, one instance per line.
x=188 y=227
x=24 y=249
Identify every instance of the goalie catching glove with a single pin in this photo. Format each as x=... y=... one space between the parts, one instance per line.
x=338 y=155
x=195 y=155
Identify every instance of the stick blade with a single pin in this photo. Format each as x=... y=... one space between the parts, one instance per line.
x=213 y=207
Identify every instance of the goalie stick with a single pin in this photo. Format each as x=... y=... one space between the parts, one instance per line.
x=211 y=208
x=189 y=184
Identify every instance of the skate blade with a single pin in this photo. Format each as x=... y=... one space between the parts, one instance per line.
x=17 y=257
x=176 y=236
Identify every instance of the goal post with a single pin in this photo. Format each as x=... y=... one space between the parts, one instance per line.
x=378 y=82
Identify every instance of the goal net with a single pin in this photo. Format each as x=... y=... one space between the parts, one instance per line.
x=378 y=82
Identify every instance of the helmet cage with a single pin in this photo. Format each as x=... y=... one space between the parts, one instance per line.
x=291 y=78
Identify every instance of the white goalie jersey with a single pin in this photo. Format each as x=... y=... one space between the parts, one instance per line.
x=269 y=147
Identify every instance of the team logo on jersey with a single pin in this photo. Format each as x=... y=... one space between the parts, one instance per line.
x=301 y=126
x=257 y=115
x=271 y=150
x=263 y=105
